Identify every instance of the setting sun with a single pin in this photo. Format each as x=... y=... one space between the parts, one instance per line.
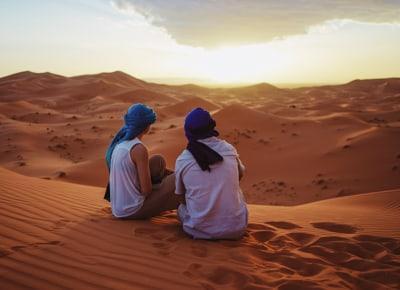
x=242 y=64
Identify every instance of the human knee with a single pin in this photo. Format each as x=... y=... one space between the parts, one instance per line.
x=157 y=168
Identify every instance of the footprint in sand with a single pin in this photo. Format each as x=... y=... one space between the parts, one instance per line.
x=301 y=238
x=283 y=225
x=389 y=277
x=298 y=284
x=222 y=275
x=215 y=277
x=335 y=227
x=165 y=235
x=255 y=226
x=192 y=270
x=303 y=266
x=160 y=236
x=360 y=253
x=199 y=251
x=263 y=235
x=163 y=248
x=282 y=242
x=143 y=231
x=376 y=243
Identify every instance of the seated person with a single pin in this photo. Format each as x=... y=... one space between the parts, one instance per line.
x=207 y=180
x=139 y=187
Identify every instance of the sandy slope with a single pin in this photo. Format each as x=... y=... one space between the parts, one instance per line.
x=56 y=235
x=300 y=146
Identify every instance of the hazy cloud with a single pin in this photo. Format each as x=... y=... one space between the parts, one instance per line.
x=224 y=22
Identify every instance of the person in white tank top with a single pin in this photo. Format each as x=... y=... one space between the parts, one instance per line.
x=139 y=186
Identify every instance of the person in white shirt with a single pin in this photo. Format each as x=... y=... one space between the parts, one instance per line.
x=207 y=175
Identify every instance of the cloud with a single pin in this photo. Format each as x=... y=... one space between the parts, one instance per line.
x=210 y=23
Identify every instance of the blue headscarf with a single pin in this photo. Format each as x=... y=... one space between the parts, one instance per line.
x=137 y=119
x=199 y=125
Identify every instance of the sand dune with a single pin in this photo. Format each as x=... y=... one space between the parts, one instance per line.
x=180 y=109
x=57 y=234
x=31 y=82
x=81 y=172
x=20 y=107
x=348 y=149
x=118 y=77
x=333 y=151
x=142 y=96
x=326 y=144
x=261 y=91
x=27 y=112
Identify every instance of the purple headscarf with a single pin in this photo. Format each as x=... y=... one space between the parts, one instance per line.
x=199 y=125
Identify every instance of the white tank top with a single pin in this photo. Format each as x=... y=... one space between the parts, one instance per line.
x=124 y=181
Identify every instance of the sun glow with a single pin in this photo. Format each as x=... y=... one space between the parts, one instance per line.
x=242 y=64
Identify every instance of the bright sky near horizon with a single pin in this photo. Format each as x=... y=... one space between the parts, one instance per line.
x=224 y=41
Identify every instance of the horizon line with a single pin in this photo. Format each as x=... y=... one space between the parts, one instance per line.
x=205 y=82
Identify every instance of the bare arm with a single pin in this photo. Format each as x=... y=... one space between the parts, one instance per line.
x=140 y=156
x=240 y=168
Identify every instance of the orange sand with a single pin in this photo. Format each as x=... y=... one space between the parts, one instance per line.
x=332 y=151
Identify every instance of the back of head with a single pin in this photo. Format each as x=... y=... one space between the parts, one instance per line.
x=138 y=118
x=199 y=125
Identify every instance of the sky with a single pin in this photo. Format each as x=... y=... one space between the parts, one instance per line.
x=204 y=41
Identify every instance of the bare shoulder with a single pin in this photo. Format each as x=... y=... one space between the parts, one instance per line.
x=139 y=152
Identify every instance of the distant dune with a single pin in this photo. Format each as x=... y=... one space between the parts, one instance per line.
x=182 y=108
x=346 y=134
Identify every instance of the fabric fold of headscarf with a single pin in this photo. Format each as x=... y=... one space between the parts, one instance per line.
x=199 y=125
x=136 y=120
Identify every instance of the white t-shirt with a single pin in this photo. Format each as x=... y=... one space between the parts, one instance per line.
x=215 y=206
x=124 y=181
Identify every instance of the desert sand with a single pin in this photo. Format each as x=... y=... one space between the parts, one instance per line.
x=322 y=180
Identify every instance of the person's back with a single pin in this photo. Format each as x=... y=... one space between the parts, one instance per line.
x=139 y=187
x=207 y=181
x=126 y=198
x=215 y=206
